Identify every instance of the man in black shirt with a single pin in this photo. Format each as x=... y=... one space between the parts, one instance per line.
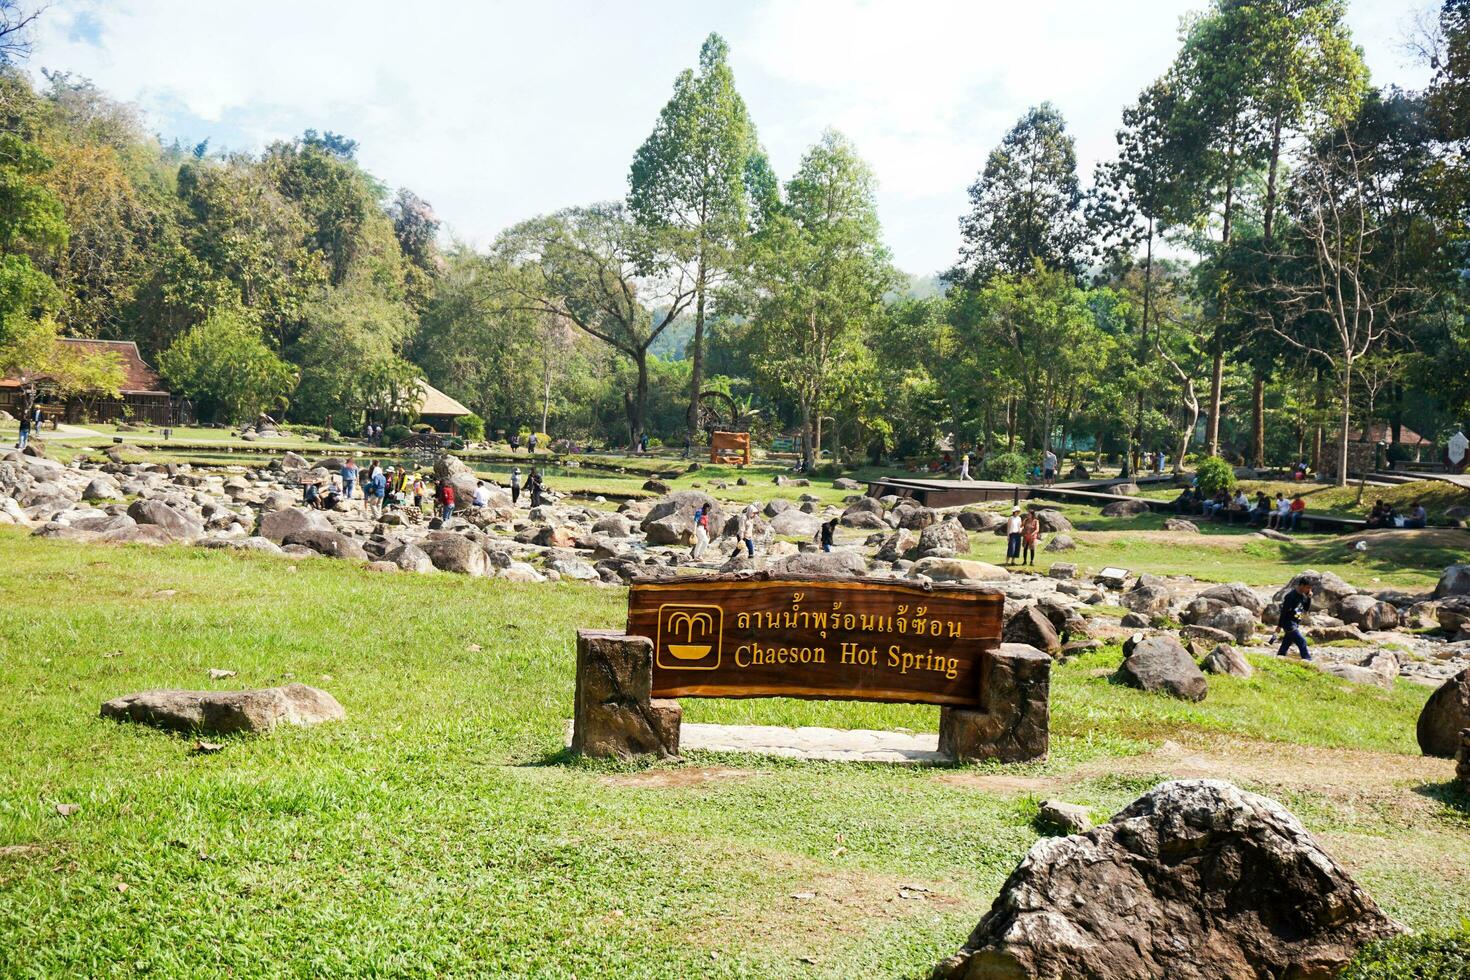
x=1297 y=601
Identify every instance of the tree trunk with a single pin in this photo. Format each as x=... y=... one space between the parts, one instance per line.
x=806 y=435
x=639 y=402
x=1343 y=422
x=1010 y=425
x=817 y=439
x=1258 y=421
x=696 y=374
x=1217 y=377
x=546 y=396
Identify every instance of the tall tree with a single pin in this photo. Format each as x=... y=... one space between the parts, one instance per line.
x=587 y=266
x=1025 y=205
x=687 y=185
x=818 y=271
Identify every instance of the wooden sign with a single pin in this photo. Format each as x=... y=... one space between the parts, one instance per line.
x=855 y=639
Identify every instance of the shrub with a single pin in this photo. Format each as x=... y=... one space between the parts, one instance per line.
x=472 y=428
x=395 y=434
x=1426 y=956
x=1400 y=453
x=422 y=427
x=1005 y=467
x=1214 y=475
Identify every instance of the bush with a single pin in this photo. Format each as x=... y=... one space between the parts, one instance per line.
x=395 y=434
x=1214 y=475
x=472 y=428
x=422 y=427
x=1427 y=956
x=1400 y=453
x=1005 y=467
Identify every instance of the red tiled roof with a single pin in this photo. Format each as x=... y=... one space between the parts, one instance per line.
x=138 y=377
x=1383 y=433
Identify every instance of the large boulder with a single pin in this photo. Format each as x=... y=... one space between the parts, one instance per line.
x=1032 y=627
x=958 y=570
x=947 y=534
x=1124 y=490
x=1329 y=591
x=838 y=561
x=1125 y=508
x=1225 y=659
x=896 y=545
x=179 y=526
x=917 y=518
x=614 y=525
x=1366 y=612
x=1236 y=594
x=1238 y=621
x=1454 y=581
x=277 y=524
x=1195 y=880
x=1060 y=542
x=327 y=541
x=1453 y=613
x=979 y=520
x=1160 y=663
x=1053 y=522
x=794 y=524
x=1148 y=600
x=222 y=712
x=1444 y=715
x=1180 y=525
x=452 y=552
x=454 y=470
x=409 y=558
x=675 y=515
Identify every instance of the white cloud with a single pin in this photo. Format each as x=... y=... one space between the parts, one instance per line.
x=496 y=111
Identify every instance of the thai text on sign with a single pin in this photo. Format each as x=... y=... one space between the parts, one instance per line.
x=863 y=639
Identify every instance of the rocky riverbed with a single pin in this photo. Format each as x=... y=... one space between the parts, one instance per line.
x=1376 y=636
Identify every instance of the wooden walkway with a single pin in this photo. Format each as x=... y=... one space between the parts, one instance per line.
x=957 y=493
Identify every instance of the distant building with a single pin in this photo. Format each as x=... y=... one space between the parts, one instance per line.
x=144 y=398
x=438 y=409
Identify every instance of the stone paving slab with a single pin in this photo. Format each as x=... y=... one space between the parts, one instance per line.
x=817 y=744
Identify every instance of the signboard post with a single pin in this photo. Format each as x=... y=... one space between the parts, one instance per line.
x=865 y=639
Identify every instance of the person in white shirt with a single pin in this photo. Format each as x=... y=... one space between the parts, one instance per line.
x=1013 y=536
x=1048 y=468
x=964 y=466
x=1277 y=517
x=480 y=496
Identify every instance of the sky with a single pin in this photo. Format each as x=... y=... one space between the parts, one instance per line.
x=495 y=112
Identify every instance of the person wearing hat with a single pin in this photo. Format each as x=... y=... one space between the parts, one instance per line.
x=1013 y=536
x=515 y=486
x=747 y=530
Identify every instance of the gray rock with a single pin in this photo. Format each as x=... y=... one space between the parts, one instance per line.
x=451 y=552
x=1238 y=621
x=1453 y=613
x=675 y=516
x=1060 y=542
x=1454 y=581
x=615 y=525
x=1063 y=570
x=838 y=561
x=410 y=558
x=918 y=518
x=1125 y=508
x=1146 y=599
x=947 y=534
x=896 y=545
x=1236 y=594
x=1053 y=522
x=794 y=524
x=979 y=520
x=845 y=483
x=1204 y=634
x=1366 y=612
x=1134 y=621
x=1160 y=663
x=1225 y=659
x=1180 y=525
x=277 y=524
x=958 y=570
x=1330 y=590
x=1069 y=817
x=223 y=712
x=1195 y=880
x=1032 y=627
x=327 y=541
x=179 y=526
x=1445 y=713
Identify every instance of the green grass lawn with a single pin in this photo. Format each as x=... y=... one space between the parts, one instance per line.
x=1437 y=496
x=442 y=829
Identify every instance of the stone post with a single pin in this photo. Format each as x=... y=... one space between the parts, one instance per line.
x=614 y=716
x=1014 y=724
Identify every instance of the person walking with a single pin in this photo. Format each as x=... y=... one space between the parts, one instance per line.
x=825 y=534
x=747 y=530
x=1013 y=536
x=1297 y=601
x=534 y=487
x=445 y=498
x=1030 y=532
x=701 y=532
x=1048 y=467
x=418 y=494
x=349 y=477
x=965 y=467
x=25 y=430
x=515 y=486
x=531 y=444
x=376 y=489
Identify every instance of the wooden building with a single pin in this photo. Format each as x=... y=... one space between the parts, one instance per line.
x=438 y=409
x=144 y=399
